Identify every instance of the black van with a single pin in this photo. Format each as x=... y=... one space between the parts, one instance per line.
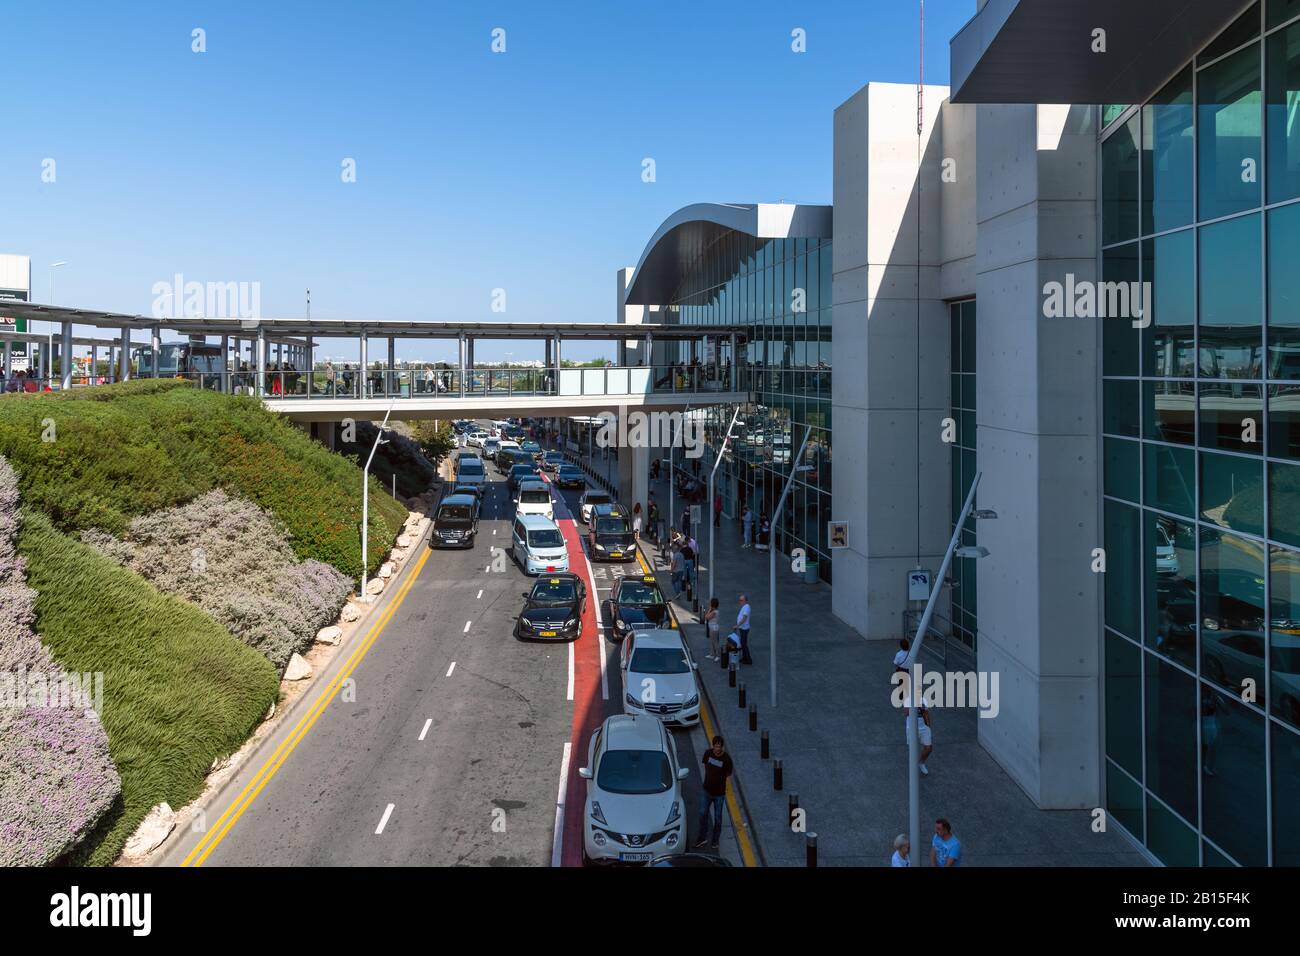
x=456 y=523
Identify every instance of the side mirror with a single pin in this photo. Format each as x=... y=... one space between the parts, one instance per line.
x=683 y=773
x=584 y=773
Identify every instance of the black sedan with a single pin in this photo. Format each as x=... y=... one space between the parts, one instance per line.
x=553 y=460
x=553 y=609
x=637 y=603
x=571 y=476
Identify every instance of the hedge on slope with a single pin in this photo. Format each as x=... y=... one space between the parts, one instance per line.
x=232 y=559
x=179 y=690
x=99 y=457
x=56 y=777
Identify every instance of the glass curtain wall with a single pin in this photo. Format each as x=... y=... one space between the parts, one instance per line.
x=961 y=316
x=781 y=290
x=1201 y=454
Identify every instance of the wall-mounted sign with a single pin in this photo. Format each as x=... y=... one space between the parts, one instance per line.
x=918 y=585
x=837 y=533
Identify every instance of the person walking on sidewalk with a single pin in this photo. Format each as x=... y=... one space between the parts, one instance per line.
x=901 y=657
x=688 y=567
x=717 y=510
x=742 y=628
x=923 y=735
x=746 y=528
x=677 y=571
x=653 y=516
x=636 y=520
x=945 y=848
x=713 y=797
x=902 y=851
x=713 y=627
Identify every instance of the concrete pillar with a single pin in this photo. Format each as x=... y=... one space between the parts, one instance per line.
x=309 y=363
x=260 y=363
x=460 y=360
x=224 y=383
x=94 y=365
x=634 y=476
x=155 y=346
x=65 y=354
x=391 y=375
x=9 y=359
x=365 y=363
x=124 y=356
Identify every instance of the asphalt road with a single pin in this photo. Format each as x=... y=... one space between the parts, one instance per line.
x=451 y=751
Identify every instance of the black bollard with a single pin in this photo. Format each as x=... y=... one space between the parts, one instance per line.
x=810 y=840
x=731 y=676
x=753 y=717
x=765 y=750
x=722 y=658
x=793 y=808
x=777 y=779
x=742 y=695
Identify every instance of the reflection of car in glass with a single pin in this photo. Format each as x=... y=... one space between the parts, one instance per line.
x=553 y=609
x=659 y=677
x=634 y=809
x=636 y=603
x=609 y=535
x=1166 y=558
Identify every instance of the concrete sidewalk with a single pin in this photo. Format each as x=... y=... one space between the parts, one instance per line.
x=843 y=744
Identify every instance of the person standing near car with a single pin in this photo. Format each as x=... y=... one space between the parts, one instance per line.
x=713 y=626
x=742 y=629
x=713 y=796
x=747 y=528
x=636 y=520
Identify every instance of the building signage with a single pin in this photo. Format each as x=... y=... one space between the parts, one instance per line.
x=918 y=585
x=837 y=533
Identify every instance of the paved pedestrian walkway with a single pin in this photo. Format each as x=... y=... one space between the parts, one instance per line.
x=843 y=744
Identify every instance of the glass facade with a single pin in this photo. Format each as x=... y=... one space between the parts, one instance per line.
x=961 y=318
x=1201 y=454
x=780 y=289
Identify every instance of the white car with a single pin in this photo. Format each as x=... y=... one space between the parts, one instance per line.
x=634 y=810
x=1166 y=557
x=590 y=498
x=476 y=438
x=659 y=677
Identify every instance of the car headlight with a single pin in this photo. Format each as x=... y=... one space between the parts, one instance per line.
x=674 y=814
x=619 y=625
x=572 y=622
x=526 y=623
x=596 y=814
x=600 y=547
x=695 y=699
x=671 y=839
x=635 y=702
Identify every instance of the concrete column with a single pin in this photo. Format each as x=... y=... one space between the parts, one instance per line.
x=94 y=365
x=260 y=363
x=365 y=364
x=9 y=359
x=224 y=383
x=124 y=356
x=155 y=346
x=391 y=376
x=634 y=476
x=65 y=354
x=309 y=361
x=460 y=359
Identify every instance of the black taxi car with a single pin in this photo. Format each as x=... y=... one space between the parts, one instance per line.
x=553 y=609
x=636 y=603
x=609 y=534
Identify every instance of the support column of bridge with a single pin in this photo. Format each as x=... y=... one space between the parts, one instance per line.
x=124 y=356
x=65 y=354
x=260 y=362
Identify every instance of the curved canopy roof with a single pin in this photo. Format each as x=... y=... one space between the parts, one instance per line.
x=683 y=237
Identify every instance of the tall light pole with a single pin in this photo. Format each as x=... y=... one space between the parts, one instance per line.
x=914 y=771
x=49 y=349
x=735 y=419
x=365 y=500
x=796 y=466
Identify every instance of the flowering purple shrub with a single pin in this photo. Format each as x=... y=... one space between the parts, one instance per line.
x=56 y=776
x=234 y=561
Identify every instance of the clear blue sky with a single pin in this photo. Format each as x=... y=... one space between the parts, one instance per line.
x=475 y=170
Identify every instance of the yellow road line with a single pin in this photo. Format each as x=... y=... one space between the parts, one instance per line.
x=286 y=747
x=733 y=805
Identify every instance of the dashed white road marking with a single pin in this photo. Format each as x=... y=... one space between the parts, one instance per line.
x=467 y=624
x=557 y=840
x=480 y=595
x=451 y=668
x=388 y=812
x=427 y=724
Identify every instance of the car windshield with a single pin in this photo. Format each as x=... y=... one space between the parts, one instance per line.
x=535 y=496
x=598 y=499
x=611 y=526
x=659 y=660
x=470 y=468
x=521 y=470
x=568 y=471
x=532 y=446
x=634 y=771
x=467 y=490
x=545 y=538
x=454 y=513
x=554 y=456
x=554 y=591
x=639 y=594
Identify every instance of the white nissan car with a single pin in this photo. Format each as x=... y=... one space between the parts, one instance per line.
x=659 y=677
x=634 y=810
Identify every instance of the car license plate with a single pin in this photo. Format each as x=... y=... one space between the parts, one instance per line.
x=636 y=857
x=616 y=554
x=548 y=633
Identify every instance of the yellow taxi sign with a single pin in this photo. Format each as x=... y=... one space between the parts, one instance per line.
x=648 y=578
x=555 y=580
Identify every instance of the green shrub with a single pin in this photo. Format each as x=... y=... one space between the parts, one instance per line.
x=96 y=458
x=179 y=691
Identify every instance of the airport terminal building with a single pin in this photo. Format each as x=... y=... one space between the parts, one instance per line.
x=1141 y=594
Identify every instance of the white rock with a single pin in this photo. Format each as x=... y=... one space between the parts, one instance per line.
x=386 y=569
x=375 y=586
x=403 y=540
x=153 y=829
x=219 y=763
x=329 y=635
x=298 y=669
x=270 y=711
x=349 y=613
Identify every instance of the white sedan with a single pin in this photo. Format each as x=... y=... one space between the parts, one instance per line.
x=476 y=438
x=659 y=677
x=634 y=810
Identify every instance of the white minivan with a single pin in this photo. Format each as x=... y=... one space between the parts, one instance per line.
x=534 y=498
x=537 y=544
x=470 y=471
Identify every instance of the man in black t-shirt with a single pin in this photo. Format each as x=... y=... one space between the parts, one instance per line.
x=713 y=795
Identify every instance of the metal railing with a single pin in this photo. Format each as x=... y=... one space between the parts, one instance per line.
x=939 y=642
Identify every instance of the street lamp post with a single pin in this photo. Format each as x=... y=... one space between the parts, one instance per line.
x=909 y=665
x=365 y=500
x=735 y=419
x=795 y=467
